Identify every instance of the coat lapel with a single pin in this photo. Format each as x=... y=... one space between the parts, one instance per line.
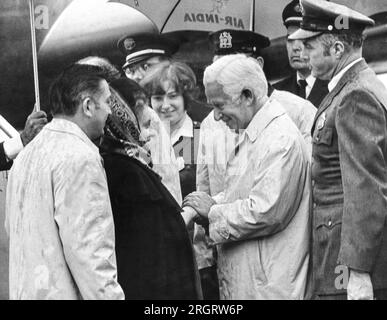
x=318 y=93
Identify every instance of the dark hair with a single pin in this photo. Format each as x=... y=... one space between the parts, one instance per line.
x=179 y=74
x=69 y=88
x=130 y=91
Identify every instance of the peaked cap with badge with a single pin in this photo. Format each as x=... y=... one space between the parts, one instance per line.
x=292 y=14
x=229 y=41
x=144 y=46
x=320 y=16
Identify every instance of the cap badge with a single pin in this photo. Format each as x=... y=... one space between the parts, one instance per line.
x=297 y=8
x=129 y=44
x=321 y=121
x=225 y=40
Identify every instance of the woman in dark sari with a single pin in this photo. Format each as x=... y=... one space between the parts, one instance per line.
x=154 y=255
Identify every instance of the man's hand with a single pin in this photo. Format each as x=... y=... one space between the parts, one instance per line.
x=35 y=122
x=188 y=215
x=200 y=201
x=359 y=286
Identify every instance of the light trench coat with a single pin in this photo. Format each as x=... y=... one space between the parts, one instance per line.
x=59 y=219
x=260 y=223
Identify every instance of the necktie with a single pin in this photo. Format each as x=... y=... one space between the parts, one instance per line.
x=301 y=88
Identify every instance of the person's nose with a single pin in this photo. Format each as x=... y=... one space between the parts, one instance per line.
x=304 y=54
x=165 y=104
x=138 y=75
x=217 y=115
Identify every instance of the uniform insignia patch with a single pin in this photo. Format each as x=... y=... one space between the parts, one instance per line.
x=225 y=40
x=321 y=121
x=129 y=44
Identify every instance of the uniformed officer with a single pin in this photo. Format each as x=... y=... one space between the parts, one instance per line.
x=349 y=168
x=144 y=51
x=300 y=82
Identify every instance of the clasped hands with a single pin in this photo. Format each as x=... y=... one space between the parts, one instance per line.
x=201 y=203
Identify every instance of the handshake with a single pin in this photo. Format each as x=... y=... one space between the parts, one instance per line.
x=196 y=207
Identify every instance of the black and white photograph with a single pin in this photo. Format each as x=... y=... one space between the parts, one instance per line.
x=204 y=151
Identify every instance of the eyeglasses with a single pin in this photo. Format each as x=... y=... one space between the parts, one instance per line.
x=131 y=70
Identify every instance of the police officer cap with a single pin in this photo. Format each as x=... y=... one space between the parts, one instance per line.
x=320 y=16
x=291 y=15
x=228 y=41
x=144 y=46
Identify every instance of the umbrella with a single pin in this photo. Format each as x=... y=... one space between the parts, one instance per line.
x=262 y=16
x=203 y=15
x=90 y=27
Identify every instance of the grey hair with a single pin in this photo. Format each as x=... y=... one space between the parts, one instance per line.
x=235 y=73
x=110 y=70
x=351 y=41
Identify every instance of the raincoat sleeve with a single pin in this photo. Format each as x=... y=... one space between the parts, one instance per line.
x=202 y=175
x=84 y=218
x=272 y=201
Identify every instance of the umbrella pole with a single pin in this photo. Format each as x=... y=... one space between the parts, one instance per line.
x=252 y=15
x=34 y=56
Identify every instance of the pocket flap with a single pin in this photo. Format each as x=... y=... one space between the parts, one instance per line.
x=323 y=136
x=327 y=216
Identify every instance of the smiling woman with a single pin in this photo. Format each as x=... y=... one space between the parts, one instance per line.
x=172 y=86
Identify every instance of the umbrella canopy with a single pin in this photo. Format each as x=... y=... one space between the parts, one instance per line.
x=90 y=27
x=262 y=16
x=203 y=15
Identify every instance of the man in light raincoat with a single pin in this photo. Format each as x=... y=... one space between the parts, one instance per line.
x=58 y=213
x=260 y=222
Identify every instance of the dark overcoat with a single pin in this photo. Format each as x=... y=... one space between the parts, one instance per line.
x=154 y=255
x=4 y=163
x=316 y=95
x=349 y=172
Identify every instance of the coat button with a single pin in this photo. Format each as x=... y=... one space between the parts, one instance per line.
x=314 y=205
x=329 y=223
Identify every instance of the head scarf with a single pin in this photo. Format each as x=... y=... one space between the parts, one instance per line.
x=122 y=131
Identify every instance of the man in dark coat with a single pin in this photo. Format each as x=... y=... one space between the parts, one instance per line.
x=300 y=82
x=349 y=167
x=10 y=148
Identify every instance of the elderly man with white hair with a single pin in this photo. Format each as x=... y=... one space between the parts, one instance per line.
x=260 y=222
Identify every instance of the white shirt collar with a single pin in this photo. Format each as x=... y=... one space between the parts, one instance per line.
x=335 y=80
x=186 y=130
x=310 y=80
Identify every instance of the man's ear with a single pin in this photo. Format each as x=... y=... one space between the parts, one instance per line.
x=247 y=95
x=261 y=61
x=88 y=107
x=338 y=49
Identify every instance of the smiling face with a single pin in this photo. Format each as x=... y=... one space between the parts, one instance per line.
x=231 y=111
x=322 y=61
x=294 y=48
x=169 y=104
